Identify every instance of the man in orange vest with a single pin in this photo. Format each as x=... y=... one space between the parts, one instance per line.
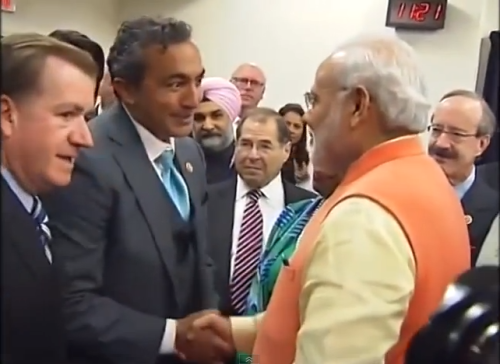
x=374 y=261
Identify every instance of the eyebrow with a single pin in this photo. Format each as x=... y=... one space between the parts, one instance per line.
x=185 y=76
x=73 y=106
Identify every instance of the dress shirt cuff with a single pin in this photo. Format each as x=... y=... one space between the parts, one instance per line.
x=168 y=341
x=244 y=330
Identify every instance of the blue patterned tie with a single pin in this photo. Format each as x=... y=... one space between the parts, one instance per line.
x=174 y=183
x=41 y=219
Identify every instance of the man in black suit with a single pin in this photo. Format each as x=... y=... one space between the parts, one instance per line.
x=461 y=128
x=262 y=146
x=131 y=226
x=47 y=86
x=489 y=172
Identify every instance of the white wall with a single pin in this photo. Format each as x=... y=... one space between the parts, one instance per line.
x=289 y=38
x=95 y=18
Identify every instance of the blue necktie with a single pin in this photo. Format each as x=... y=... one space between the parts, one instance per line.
x=174 y=183
x=41 y=219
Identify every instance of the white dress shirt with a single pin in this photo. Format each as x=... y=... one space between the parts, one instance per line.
x=271 y=204
x=154 y=148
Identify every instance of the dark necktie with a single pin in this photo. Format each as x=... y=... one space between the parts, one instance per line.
x=41 y=220
x=248 y=251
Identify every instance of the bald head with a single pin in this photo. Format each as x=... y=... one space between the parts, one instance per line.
x=460 y=132
x=251 y=83
x=472 y=106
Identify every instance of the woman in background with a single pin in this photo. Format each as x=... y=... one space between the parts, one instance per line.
x=296 y=168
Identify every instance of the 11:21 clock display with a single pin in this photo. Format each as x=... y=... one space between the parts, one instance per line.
x=416 y=15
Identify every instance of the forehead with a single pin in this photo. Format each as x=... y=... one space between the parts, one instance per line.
x=262 y=129
x=63 y=82
x=292 y=116
x=177 y=59
x=249 y=72
x=207 y=107
x=458 y=112
x=325 y=75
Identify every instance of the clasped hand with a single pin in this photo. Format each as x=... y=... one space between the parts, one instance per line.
x=204 y=337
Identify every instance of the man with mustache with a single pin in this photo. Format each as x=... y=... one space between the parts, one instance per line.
x=460 y=131
x=213 y=126
x=369 y=268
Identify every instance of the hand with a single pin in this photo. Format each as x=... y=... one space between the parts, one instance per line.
x=199 y=343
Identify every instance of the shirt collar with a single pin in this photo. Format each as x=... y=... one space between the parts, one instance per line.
x=273 y=191
x=154 y=146
x=462 y=188
x=23 y=196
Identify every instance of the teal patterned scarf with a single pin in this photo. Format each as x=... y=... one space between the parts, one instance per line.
x=280 y=246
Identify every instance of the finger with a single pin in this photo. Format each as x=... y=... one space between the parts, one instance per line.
x=205 y=321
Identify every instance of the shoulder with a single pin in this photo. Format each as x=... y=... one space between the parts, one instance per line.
x=295 y=193
x=359 y=224
x=188 y=144
x=222 y=188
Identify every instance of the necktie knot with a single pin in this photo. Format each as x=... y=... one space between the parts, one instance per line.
x=166 y=159
x=254 y=195
x=37 y=212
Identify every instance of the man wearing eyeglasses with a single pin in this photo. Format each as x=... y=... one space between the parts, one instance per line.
x=460 y=131
x=251 y=82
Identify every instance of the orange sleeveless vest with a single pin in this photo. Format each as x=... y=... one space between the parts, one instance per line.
x=399 y=176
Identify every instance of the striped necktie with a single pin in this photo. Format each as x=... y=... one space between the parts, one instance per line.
x=41 y=219
x=248 y=251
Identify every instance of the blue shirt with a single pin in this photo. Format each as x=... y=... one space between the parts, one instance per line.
x=462 y=188
x=26 y=199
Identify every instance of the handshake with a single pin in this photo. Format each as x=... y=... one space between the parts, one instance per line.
x=205 y=337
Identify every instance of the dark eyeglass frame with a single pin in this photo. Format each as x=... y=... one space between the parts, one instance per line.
x=454 y=135
x=245 y=81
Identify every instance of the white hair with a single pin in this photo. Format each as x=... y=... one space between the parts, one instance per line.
x=387 y=67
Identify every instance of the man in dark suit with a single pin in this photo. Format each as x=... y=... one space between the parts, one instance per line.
x=131 y=226
x=489 y=172
x=262 y=146
x=461 y=128
x=46 y=88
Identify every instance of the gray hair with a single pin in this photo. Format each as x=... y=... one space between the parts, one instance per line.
x=387 y=67
x=126 y=55
x=487 y=122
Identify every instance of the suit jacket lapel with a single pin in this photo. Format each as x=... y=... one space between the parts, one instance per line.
x=226 y=204
x=143 y=179
x=23 y=234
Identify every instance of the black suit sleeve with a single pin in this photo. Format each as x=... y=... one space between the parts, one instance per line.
x=96 y=325
x=211 y=299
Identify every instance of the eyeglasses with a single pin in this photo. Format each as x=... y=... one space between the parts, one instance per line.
x=456 y=136
x=243 y=81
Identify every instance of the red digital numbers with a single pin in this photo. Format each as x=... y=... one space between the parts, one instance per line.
x=419 y=12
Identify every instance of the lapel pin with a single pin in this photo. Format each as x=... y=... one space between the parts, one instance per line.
x=189 y=167
x=468 y=219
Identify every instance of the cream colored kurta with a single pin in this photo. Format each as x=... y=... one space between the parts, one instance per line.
x=356 y=289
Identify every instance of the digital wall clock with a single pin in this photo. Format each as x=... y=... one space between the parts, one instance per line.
x=416 y=15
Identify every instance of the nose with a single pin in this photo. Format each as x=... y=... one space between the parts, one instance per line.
x=80 y=136
x=208 y=125
x=191 y=97
x=442 y=141
x=254 y=154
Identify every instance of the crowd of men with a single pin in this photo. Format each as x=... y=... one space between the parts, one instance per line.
x=153 y=215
